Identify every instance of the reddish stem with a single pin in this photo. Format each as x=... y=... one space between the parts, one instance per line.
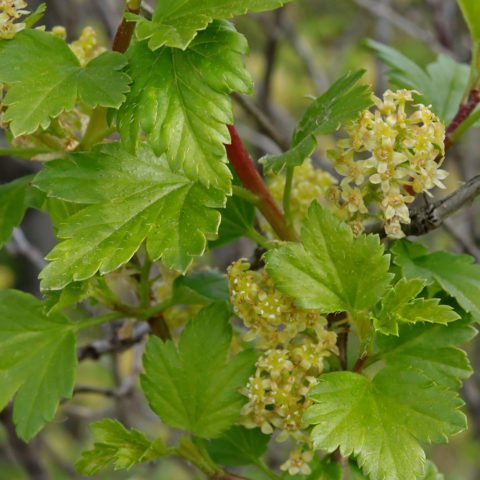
x=359 y=364
x=124 y=34
x=464 y=111
x=244 y=167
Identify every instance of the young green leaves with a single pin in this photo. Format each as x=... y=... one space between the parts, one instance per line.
x=181 y=100
x=458 y=275
x=38 y=360
x=175 y=24
x=118 y=447
x=341 y=103
x=401 y=305
x=382 y=421
x=432 y=349
x=192 y=387
x=131 y=198
x=45 y=79
x=331 y=270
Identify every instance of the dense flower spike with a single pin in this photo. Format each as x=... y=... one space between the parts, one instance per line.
x=272 y=318
x=401 y=153
x=10 y=12
x=296 y=344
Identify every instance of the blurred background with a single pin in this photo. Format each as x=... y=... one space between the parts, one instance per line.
x=296 y=52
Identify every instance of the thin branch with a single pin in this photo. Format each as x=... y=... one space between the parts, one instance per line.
x=465 y=243
x=124 y=390
x=304 y=52
x=402 y=23
x=274 y=35
x=265 y=123
x=97 y=349
x=20 y=245
x=430 y=216
x=27 y=455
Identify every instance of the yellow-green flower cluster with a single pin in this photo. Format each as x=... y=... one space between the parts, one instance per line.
x=272 y=318
x=87 y=46
x=309 y=184
x=10 y=12
x=296 y=343
x=390 y=155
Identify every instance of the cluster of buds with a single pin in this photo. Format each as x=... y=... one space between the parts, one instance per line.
x=10 y=12
x=87 y=46
x=272 y=318
x=309 y=184
x=296 y=343
x=390 y=155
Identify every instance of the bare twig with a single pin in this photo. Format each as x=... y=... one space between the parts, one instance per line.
x=274 y=35
x=431 y=216
x=304 y=52
x=27 y=455
x=263 y=121
x=464 y=242
x=20 y=245
x=379 y=9
x=97 y=349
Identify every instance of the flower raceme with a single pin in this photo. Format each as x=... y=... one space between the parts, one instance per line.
x=390 y=154
x=295 y=343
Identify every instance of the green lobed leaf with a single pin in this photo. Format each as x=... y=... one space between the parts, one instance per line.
x=192 y=387
x=331 y=270
x=238 y=446
x=181 y=100
x=118 y=447
x=175 y=24
x=442 y=84
x=37 y=363
x=133 y=198
x=458 y=275
x=13 y=205
x=401 y=305
x=44 y=66
x=382 y=421
x=200 y=288
x=341 y=103
x=432 y=349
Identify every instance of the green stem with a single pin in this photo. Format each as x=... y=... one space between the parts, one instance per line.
x=287 y=196
x=94 y=321
x=189 y=451
x=96 y=131
x=261 y=466
x=245 y=194
x=160 y=307
x=260 y=239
